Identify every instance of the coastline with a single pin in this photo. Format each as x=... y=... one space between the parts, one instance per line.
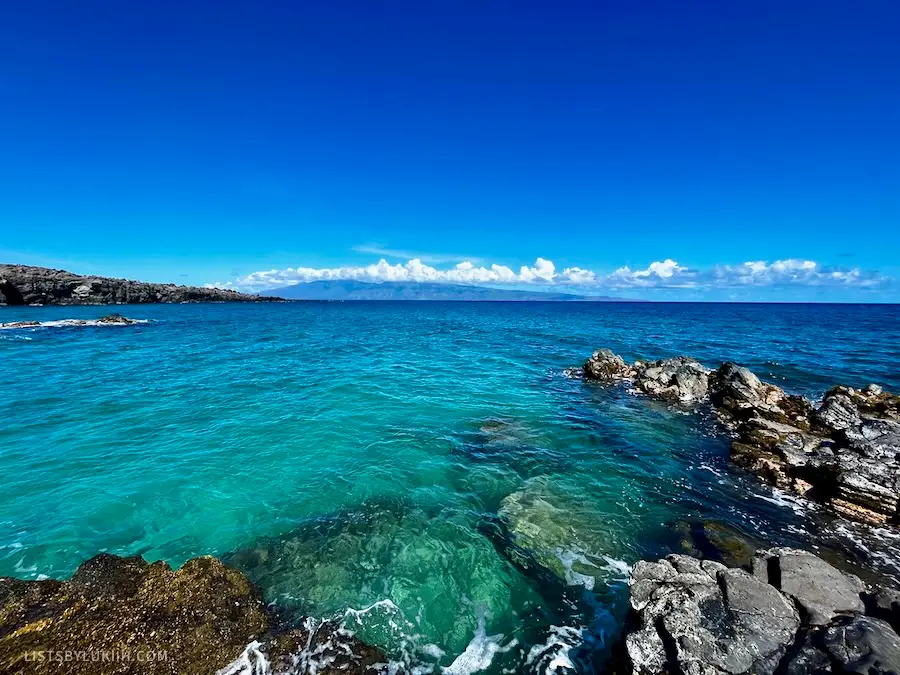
x=25 y=285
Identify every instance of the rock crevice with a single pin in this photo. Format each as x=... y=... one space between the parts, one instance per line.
x=701 y=618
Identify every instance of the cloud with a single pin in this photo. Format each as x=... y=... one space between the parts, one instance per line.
x=432 y=258
x=664 y=274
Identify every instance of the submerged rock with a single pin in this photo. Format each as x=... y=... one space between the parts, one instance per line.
x=700 y=617
x=561 y=534
x=718 y=541
x=124 y=615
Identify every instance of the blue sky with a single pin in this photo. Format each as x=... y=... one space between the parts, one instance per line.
x=203 y=142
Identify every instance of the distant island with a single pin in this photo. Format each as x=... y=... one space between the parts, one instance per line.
x=409 y=290
x=27 y=285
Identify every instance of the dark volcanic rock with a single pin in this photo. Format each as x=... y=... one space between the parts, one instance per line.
x=700 y=618
x=738 y=394
x=115 y=318
x=26 y=285
x=860 y=644
x=604 y=365
x=124 y=615
x=680 y=379
x=820 y=590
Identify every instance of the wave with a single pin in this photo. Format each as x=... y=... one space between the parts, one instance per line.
x=67 y=323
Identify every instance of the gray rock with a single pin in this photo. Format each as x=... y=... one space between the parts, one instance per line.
x=837 y=412
x=860 y=644
x=822 y=591
x=681 y=378
x=700 y=617
x=604 y=365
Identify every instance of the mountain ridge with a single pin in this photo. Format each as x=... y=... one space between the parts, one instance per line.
x=406 y=290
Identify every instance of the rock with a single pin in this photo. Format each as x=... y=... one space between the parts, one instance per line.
x=845 y=453
x=564 y=534
x=716 y=541
x=737 y=394
x=145 y=618
x=837 y=412
x=859 y=644
x=27 y=285
x=822 y=591
x=20 y=324
x=700 y=617
x=115 y=318
x=681 y=378
x=604 y=365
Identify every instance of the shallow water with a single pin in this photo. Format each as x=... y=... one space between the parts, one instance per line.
x=424 y=471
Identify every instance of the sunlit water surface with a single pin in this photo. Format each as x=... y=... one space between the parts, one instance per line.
x=424 y=472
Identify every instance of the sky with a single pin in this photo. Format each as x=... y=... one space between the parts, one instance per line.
x=662 y=150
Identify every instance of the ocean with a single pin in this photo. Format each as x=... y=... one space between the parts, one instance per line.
x=425 y=472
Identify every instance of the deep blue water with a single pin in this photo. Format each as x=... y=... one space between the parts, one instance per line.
x=382 y=462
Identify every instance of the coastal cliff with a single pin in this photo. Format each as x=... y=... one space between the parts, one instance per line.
x=27 y=285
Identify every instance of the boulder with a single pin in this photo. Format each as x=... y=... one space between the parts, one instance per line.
x=605 y=366
x=698 y=617
x=701 y=618
x=820 y=590
x=681 y=378
x=859 y=644
x=737 y=394
x=125 y=615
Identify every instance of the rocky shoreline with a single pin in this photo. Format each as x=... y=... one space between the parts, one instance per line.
x=22 y=285
x=127 y=616
x=844 y=453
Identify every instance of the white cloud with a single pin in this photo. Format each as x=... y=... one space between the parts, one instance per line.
x=664 y=274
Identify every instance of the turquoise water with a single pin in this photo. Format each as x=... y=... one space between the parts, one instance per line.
x=424 y=471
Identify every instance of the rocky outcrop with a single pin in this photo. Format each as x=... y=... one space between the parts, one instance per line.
x=681 y=378
x=793 y=614
x=845 y=452
x=26 y=285
x=124 y=615
x=606 y=366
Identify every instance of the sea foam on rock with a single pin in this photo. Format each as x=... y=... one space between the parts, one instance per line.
x=845 y=452
x=794 y=614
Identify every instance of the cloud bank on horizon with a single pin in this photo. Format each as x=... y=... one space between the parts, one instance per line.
x=665 y=275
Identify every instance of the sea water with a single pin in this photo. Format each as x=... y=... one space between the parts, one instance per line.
x=426 y=473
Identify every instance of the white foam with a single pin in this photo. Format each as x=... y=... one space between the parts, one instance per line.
x=553 y=656
x=251 y=662
x=70 y=323
x=479 y=652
